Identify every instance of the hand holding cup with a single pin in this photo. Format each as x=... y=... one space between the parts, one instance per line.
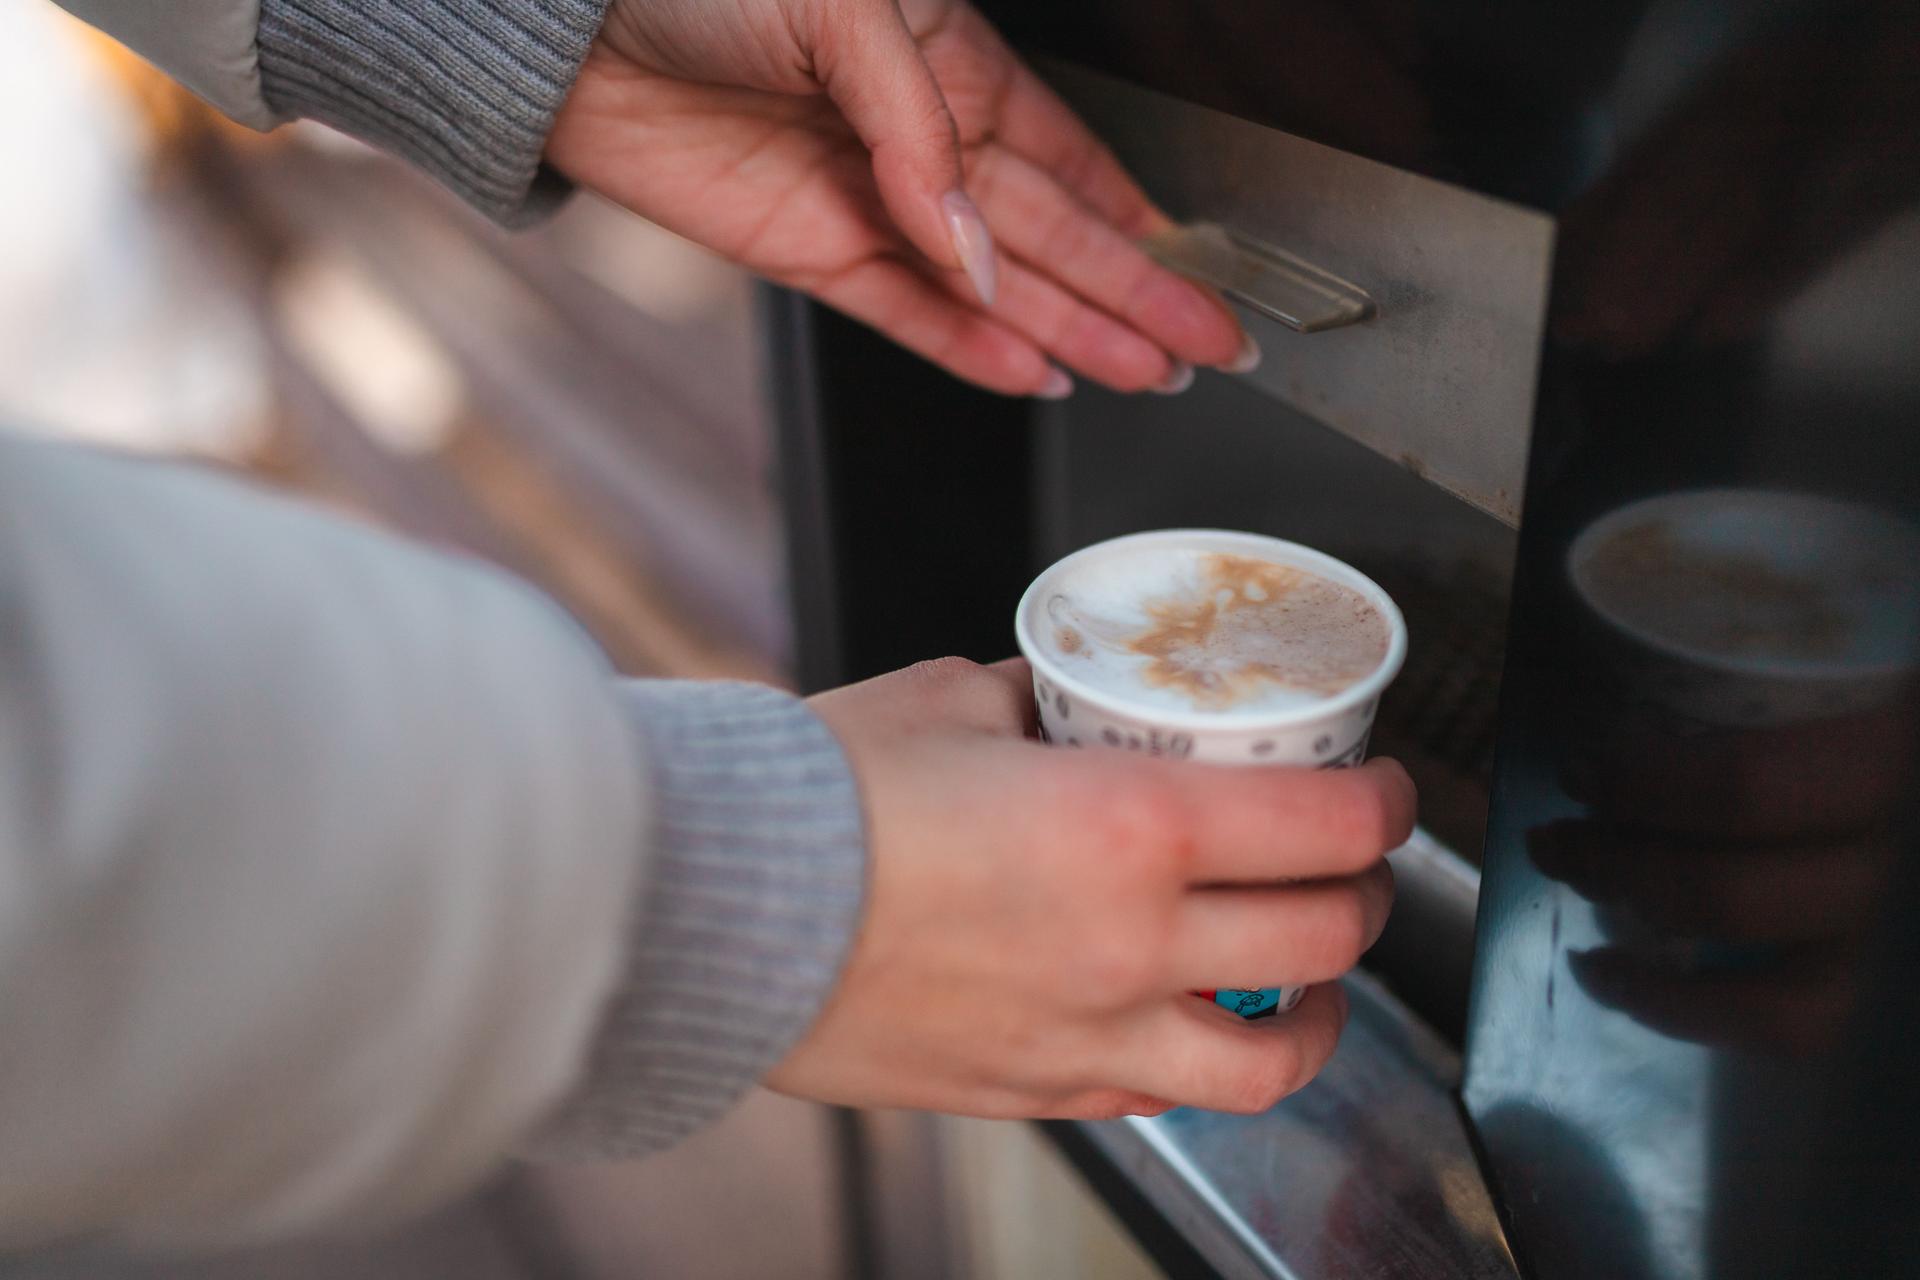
x=1038 y=917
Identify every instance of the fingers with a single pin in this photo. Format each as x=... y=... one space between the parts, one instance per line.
x=1063 y=238
x=871 y=66
x=1192 y=1053
x=923 y=317
x=1283 y=936
x=1249 y=825
x=1082 y=337
x=1084 y=291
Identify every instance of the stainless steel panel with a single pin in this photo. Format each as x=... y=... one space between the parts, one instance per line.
x=1365 y=1172
x=1441 y=378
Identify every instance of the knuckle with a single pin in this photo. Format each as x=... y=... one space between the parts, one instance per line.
x=1143 y=287
x=1157 y=812
x=933 y=127
x=944 y=671
x=1073 y=328
x=1119 y=967
x=946 y=681
x=1140 y=818
x=1067 y=238
x=1083 y=164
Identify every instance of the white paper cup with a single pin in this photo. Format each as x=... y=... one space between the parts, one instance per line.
x=1329 y=733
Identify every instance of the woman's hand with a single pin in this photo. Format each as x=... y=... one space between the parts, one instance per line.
x=1038 y=916
x=861 y=150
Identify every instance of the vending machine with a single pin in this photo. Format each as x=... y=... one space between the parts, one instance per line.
x=1592 y=333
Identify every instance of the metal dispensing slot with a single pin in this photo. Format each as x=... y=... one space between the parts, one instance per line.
x=1404 y=312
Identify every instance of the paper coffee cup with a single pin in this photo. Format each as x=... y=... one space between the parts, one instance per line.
x=1325 y=731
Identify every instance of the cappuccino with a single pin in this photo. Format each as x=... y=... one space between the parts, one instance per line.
x=1189 y=629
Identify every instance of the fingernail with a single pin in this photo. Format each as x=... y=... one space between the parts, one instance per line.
x=971 y=241
x=1248 y=359
x=1058 y=385
x=1178 y=380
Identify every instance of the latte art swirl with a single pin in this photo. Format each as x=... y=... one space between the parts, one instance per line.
x=1212 y=631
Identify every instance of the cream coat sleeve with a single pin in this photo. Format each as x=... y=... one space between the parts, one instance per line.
x=317 y=851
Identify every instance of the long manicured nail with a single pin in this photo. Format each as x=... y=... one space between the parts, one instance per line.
x=1058 y=385
x=1178 y=380
x=1248 y=358
x=971 y=241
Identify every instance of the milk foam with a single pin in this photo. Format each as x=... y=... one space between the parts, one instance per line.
x=1195 y=630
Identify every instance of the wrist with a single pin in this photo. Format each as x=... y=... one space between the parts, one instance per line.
x=747 y=911
x=467 y=92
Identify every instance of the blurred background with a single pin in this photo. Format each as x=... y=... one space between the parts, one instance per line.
x=584 y=404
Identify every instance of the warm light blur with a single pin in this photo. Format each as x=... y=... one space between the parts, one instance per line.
x=581 y=403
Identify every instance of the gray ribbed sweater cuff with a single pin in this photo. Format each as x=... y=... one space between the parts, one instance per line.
x=465 y=89
x=747 y=910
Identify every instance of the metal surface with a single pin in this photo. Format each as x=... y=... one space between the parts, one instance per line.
x=1270 y=280
x=1426 y=952
x=1366 y=1172
x=1442 y=379
x=1691 y=1051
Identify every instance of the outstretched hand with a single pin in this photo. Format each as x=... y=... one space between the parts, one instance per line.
x=898 y=162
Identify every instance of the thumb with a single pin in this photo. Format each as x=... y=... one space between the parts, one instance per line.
x=872 y=69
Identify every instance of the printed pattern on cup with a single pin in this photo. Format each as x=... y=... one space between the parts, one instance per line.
x=1263 y=1002
x=1352 y=756
x=1071 y=722
x=1057 y=726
